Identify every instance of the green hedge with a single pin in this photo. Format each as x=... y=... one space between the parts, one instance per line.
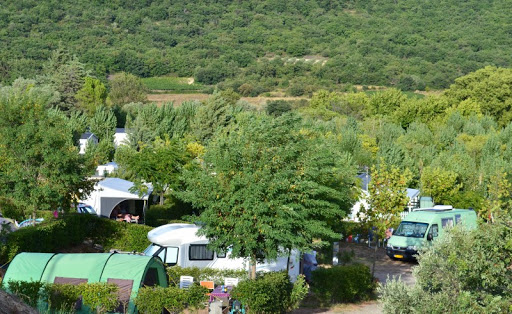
x=271 y=293
x=173 y=211
x=151 y=300
x=102 y=297
x=342 y=284
x=72 y=229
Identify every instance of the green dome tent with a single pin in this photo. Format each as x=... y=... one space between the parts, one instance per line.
x=129 y=272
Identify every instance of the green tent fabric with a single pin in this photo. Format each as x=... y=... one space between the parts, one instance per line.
x=129 y=272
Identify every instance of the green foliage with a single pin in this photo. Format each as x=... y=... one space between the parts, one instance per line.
x=152 y=300
x=271 y=293
x=169 y=83
x=101 y=297
x=278 y=107
x=40 y=167
x=341 y=284
x=202 y=274
x=71 y=230
x=126 y=88
x=466 y=271
x=387 y=197
x=61 y=297
x=174 y=210
x=440 y=184
x=92 y=95
x=27 y=291
x=291 y=186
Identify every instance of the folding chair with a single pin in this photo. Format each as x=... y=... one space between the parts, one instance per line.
x=233 y=282
x=186 y=281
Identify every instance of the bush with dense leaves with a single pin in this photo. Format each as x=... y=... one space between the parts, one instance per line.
x=151 y=300
x=271 y=293
x=338 y=284
x=72 y=229
x=99 y=297
x=465 y=271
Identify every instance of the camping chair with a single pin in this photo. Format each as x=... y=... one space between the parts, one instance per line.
x=186 y=281
x=233 y=282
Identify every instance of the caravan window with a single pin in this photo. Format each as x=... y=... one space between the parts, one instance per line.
x=447 y=222
x=171 y=257
x=221 y=254
x=458 y=219
x=199 y=252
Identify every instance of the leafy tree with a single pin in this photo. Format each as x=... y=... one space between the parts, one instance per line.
x=266 y=186
x=498 y=203
x=322 y=105
x=103 y=125
x=92 y=95
x=126 y=88
x=66 y=74
x=40 y=167
x=278 y=107
x=439 y=183
x=160 y=164
x=387 y=197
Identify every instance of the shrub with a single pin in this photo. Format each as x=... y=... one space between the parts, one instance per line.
x=61 y=297
x=73 y=229
x=342 y=284
x=158 y=215
x=28 y=291
x=278 y=107
x=101 y=297
x=465 y=271
x=153 y=299
x=270 y=293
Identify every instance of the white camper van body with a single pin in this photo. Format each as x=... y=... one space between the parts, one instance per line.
x=178 y=244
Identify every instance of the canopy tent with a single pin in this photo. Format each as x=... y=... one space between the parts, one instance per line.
x=110 y=192
x=129 y=272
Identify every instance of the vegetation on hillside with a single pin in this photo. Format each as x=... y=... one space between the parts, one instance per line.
x=299 y=46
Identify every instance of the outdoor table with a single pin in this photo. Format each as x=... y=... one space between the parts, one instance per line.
x=217 y=293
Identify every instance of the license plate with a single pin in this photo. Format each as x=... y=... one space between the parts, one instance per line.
x=399 y=256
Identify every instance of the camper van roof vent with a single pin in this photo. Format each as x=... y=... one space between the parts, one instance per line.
x=443 y=207
x=436 y=208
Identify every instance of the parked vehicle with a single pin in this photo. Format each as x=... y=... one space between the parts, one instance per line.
x=422 y=226
x=83 y=208
x=178 y=244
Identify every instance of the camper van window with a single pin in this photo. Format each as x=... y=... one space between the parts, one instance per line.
x=199 y=252
x=221 y=254
x=411 y=229
x=458 y=219
x=433 y=231
x=447 y=222
x=171 y=257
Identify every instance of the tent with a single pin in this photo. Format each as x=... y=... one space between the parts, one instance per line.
x=112 y=191
x=129 y=272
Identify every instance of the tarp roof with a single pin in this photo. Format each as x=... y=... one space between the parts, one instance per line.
x=92 y=267
x=110 y=192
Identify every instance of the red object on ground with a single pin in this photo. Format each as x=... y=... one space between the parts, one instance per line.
x=349 y=238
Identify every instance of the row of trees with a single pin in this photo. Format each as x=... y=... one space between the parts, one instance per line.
x=405 y=44
x=266 y=182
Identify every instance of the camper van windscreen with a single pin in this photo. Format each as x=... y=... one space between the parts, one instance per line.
x=411 y=229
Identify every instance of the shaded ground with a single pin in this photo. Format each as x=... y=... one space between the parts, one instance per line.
x=384 y=268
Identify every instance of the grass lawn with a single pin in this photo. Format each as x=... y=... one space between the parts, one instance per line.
x=175 y=84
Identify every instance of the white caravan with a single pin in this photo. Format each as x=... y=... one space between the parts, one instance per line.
x=178 y=244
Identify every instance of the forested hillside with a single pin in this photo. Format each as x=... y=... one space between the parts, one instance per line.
x=298 y=46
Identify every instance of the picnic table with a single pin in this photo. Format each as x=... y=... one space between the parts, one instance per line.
x=223 y=296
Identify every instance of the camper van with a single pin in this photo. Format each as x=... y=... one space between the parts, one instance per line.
x=178 y=244
x=422 y=226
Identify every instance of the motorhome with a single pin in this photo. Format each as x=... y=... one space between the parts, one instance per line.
x=179 y=244
x=422 y=226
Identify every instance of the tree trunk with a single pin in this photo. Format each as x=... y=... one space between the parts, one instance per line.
x=253 y=269
x=11 y=304
x=162 y=198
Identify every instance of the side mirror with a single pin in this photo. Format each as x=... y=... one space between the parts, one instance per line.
x=429 y=237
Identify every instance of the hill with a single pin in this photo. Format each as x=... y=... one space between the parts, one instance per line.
x=297 y=45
